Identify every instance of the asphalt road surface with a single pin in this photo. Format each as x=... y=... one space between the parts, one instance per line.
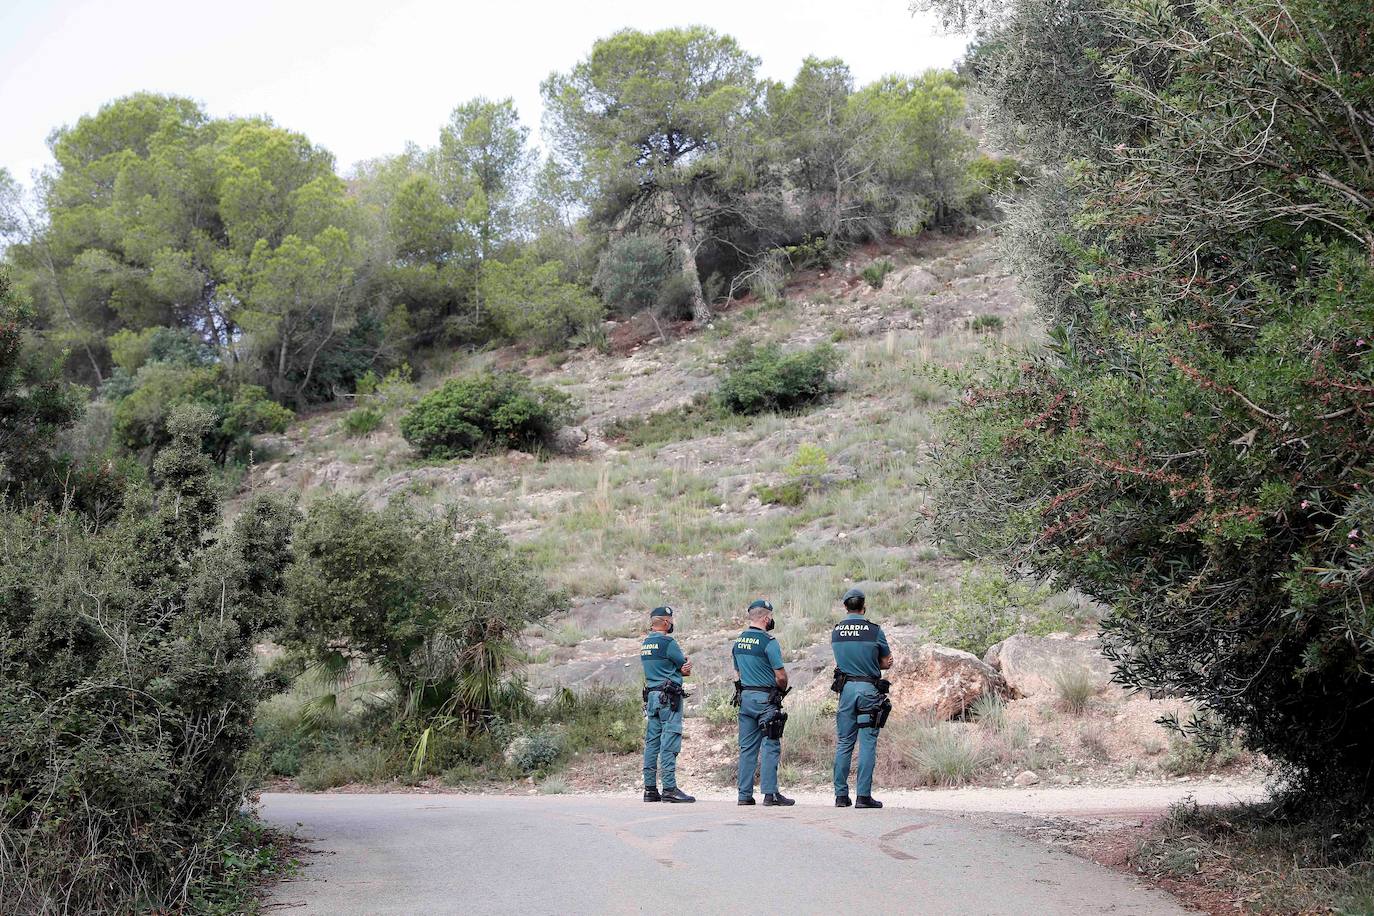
x=420 y=854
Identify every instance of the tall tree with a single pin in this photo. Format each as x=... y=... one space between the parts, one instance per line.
x=654 y=118
x=919 y=144
x=483 y=161
x=827 y=144
x=153 y=216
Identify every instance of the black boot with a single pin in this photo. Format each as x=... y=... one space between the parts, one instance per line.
x=867 y=801
x=677 y=796
x=750 y=801
x=777 y=799
x=842 y=801
x=651 y=794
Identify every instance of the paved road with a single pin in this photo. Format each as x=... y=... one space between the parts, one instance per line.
x=420 y=854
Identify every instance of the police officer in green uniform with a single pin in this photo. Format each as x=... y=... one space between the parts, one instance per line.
x=861 y=655
x=664 y=668
x=761 y=682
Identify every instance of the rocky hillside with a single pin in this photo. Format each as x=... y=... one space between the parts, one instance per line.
x=652 y=504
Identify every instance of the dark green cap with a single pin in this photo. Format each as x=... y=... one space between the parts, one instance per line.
x=663 y=611
x=761 y=602
x=852 y=594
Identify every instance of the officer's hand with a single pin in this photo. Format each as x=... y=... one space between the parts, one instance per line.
x=687 y=667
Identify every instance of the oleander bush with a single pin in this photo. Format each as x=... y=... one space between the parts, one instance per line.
x=1192 y=446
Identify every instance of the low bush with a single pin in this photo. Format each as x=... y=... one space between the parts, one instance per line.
x=703 y=417
x=493 y=409
x=1272 y=857
x=875 y=274
x=362 y=421
x=766 y=379
x=986 y=324
x=789 y=493
x=596 y=720
x=986 y=609
x=534 y=751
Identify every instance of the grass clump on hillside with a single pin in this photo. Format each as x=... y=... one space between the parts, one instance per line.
x=501 y=409
x=1074 y=689
x=764 y=378
x=875 y=274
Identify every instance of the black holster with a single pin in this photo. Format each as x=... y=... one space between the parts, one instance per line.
x=739 y=691
x=773 y=722
x=670 y=689
x=874 y=708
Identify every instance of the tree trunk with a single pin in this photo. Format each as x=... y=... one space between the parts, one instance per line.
x=687 y=248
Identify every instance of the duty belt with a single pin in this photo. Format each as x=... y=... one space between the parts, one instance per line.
x=775 y=693
x=843 y=677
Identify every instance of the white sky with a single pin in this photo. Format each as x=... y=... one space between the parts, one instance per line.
x=362 y=77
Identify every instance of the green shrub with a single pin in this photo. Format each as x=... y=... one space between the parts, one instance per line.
x=703 y=417
x=362 y=421
x=789 y=493
x=633 y=272
x=1191 y=448
x=719 y=711
x=986 y=609
x=129 y=686
x=436 y=602
x=986 y=324
x=875 y=274
x=596 y=720
x=766 y=379
x=534 y=751
x=237 y=411
x=491 y=409
x=530 y=301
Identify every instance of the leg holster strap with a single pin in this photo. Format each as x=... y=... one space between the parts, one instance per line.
x=872 y=710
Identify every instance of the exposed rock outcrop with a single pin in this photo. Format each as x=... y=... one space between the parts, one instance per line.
x=1030 y=664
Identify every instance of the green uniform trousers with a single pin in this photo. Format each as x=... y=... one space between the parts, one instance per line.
x=662 y=741
x=847 y=732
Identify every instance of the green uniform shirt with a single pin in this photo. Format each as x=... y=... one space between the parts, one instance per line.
x=756 y=655
x=858 y=645
x=662 y=659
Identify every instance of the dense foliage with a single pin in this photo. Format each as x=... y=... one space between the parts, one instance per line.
x=498 y=409
x=437 y=603
x=764 y=378
x=127 y=687
x=1194 y=446
x=34 y=403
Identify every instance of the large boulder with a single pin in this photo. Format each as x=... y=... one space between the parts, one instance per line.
x=1031 y=664
x=913 y=281
x=939 y=682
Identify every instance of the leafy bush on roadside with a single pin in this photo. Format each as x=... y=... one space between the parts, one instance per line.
x=534 y=751
x=129 y=685
x=498 y=409
x=766 y=379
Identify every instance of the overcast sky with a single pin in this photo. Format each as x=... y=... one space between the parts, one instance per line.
x=363 y=77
